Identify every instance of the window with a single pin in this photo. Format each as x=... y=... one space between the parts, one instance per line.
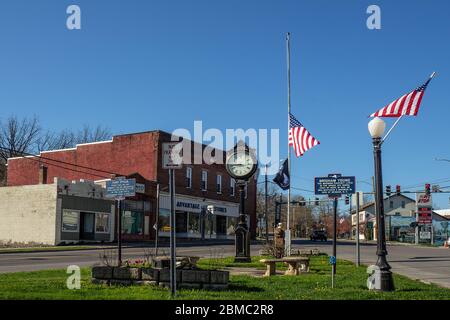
x=219 y=184
x=102 y=222
x=188 y=177
x=403 y=204
x=391 y=204
x=232 y=186
x=70 y=221
x=132 y=222
x=204 y=180
x=194 y=223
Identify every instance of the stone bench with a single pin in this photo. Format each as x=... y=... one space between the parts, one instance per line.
x=296 y=265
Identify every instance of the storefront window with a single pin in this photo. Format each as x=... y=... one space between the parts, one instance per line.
x=164 y=220
x=210 y=226
x=194 y=223
x=231 y=225
x=70 y=221
x=181 y=222
x=102 y=222
x=132 y=222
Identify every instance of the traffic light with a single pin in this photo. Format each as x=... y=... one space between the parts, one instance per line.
x=347 y=199
x=388 y=190
x=427 y=189
x=316 y=202
x=398 y=189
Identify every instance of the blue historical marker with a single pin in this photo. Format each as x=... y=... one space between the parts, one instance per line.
x=334 y=185
x=332 y=260
x=121 y=188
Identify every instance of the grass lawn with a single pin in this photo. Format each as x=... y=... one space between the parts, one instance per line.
x=350 y=284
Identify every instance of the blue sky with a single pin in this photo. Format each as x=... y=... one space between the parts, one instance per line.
x=142 y=65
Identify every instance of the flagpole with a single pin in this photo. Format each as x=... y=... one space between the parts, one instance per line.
x=288 y=224
x=397 y=121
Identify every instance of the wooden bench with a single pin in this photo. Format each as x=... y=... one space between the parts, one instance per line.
x=296 y=265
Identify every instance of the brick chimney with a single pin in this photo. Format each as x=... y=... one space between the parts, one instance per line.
x=43 y=174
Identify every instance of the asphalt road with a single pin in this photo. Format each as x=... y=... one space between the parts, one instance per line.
x=423 y=263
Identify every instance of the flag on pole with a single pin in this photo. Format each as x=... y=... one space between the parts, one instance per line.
x=299 y=138
x=282 y=178
x=406 y=105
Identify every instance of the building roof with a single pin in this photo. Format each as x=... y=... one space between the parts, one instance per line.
x=370 y=204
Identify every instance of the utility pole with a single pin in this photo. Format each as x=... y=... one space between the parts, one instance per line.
x=173 y=273
x=119 y=233
x=265 y=207
x=357 y=231
x=157 y=219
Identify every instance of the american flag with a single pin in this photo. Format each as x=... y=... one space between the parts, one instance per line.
x=299 y=137
x=407 y=105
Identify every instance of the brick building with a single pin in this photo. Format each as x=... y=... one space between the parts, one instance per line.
x=139 y=156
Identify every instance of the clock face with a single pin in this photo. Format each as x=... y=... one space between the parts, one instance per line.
x=241 y=165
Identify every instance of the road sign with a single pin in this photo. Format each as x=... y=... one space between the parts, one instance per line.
x=172 y=155
x=120 y=188
x=334 y=185
x=332 y=260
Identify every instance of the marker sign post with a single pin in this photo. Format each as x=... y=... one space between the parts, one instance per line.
x=120 y=188
x=172 y=158
x=334 y=186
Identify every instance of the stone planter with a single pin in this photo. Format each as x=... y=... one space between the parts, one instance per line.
x=125 y=273
x=186 y=278
x=150 y=274
x=102 y=272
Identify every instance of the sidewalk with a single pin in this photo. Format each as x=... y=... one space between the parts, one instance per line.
x=107 y=246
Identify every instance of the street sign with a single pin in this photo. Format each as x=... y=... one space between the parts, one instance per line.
x=332 y=260
x=334 y=185
x=172 y=155
x=121 y=188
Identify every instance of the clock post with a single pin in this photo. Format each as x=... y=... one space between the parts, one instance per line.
x=241 y=165
x=242 y=233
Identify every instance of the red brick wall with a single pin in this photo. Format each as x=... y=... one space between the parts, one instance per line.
x=126 y=155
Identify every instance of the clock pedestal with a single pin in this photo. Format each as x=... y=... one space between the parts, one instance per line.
x=242 y=233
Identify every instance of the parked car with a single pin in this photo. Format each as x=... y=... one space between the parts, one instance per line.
x=318 y=235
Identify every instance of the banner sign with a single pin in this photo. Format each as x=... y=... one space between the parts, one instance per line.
x=334 y=185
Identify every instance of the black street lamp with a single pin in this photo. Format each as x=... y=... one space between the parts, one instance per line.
x=376 y=129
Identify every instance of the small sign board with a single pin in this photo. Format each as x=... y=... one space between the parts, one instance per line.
x=332 y=260
x=425 y=235
x=121 y=188
x=334 y=185
x=424 y=216
x=172 y=155
x=424 y=206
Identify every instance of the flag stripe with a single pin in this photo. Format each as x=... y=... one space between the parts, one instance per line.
x=299 y=138
x=407 y=104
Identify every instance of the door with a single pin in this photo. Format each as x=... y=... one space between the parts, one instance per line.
x=87 y=224
x=221 y=225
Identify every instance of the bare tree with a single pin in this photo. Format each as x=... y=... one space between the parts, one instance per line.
x=68 y=139
x=18 y=137
x=92 y=134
